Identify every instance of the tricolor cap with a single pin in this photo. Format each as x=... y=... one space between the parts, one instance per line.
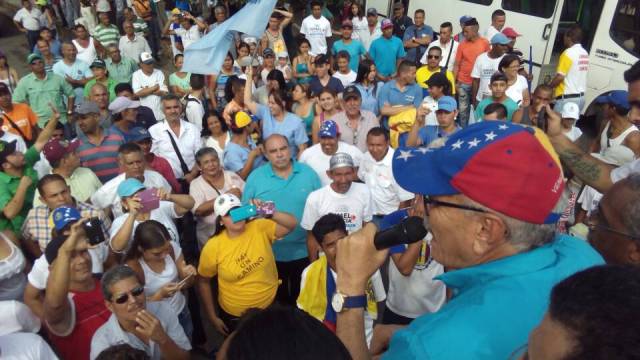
x=617 y=98
x=386 y=23
x=224 y=203
x=328 y=129
x=63 y=216
x=509 y=168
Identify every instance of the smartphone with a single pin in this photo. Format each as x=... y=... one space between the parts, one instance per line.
x=267 y=208
x=93 y=230
x=149 y=200
x=243 y=212
x=542 y=121
x=184 y=281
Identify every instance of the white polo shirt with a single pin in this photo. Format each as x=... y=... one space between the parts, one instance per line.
x=188 y=141
x=140 y=80
x=30 y=19
x=133 y=48
x=386 y=194
x=319 y=161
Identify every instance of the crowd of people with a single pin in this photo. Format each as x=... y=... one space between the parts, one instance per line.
x=141 y=207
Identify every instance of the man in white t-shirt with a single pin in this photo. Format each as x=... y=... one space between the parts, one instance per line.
x=187 y=32
x=318 y=155
x=375 y=170
x=485 y=66
x=149 y=85
x=498 y=19
x=316 y=28
x=343 y=196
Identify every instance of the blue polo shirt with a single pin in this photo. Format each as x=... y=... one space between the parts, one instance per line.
x=292 y=127
x=412 y=95
x=427 y=135
x=235 y=156
x=385 y=52
x=494 y=305
x=289 y=195
x=355 y=50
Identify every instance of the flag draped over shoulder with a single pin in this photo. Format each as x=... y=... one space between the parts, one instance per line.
x=207 y=54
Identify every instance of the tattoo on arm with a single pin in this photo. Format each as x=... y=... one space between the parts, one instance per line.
x=582 y=165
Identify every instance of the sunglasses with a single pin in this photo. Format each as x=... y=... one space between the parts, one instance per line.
x=429 y=203
x=137 y=291
x=433 y=56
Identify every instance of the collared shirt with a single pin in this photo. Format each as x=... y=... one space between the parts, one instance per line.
x=82 y=182
x=386 y=194
x=291 y=127
x=30 y=19
x=37 y=225
x=78 y=70
x=110 y=85
x=289 y=195
x=495 y=305
x=140 y=27
x=415 y=32
x=188 y=141
x=107 y=35
x=385 y=53
x=133 y=48
x=111 y=333
x=357 y=136
x=367 y=36
x=446 y=48
x=107 y=195
x=9 y=186
x=140 y=80
x=40 y=93
x=392 y=95
x=122 y=71
x=101 y=158
x=235 y=156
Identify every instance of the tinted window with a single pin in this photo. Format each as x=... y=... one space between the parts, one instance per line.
x=625 y=29
x=541 y=8
x=481 y=2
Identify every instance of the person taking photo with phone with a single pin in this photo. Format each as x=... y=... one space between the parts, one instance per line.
x=240 y=254
x=160 y=264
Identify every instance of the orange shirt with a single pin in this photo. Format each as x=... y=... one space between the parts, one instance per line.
x=466 y=56
x=24 y=117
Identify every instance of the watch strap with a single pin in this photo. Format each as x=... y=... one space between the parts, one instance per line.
x=351 y=302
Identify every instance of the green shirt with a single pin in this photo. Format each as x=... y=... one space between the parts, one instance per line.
x=183 y=83
x=122 y=71
x=508 y=103
x=111 y=87
x=39 y=93
x=140 y=27
x=107 y=35
x=9 y=186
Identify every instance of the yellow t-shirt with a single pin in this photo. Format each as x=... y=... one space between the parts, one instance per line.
x=423 y=74
x=246 y=268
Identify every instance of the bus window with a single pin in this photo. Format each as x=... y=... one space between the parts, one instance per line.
x=625 y=30
x=481 y=2
x=542 y=9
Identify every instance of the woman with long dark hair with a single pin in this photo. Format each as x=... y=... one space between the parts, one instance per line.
x=215 y=132
x=368 y=85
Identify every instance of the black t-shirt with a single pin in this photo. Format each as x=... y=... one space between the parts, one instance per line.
x=333 y=84
x=400 y=25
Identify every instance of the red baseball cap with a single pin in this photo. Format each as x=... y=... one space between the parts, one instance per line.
x=54 y=150
x=510 y=33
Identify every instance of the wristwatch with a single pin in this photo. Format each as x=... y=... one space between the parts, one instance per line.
x=341 y=302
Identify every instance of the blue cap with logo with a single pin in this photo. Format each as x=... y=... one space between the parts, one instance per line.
x=447 y=103
x=328 y=128
x=64 y=216
x=138 y=134
x=129 y=187
x=617 y=98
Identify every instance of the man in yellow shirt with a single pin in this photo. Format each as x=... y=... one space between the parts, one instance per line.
x=423 y=74
x=570 y=81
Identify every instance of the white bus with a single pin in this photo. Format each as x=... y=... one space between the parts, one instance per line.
x=611 y=29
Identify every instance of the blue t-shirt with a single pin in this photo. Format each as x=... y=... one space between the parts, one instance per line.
x=235 y=156
x=292 y=127
x=78 y=70
x=355 y=50
x=370 y=97
x=511 y=106
x=427 y=135
x=494 y=306
x=413 y=32
x=316 y=86
x=390 y=94
x=385 y=52
x=289 y=195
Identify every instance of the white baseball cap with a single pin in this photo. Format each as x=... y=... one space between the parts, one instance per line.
x=224 y=203
x=570 y=110
x=122 y=103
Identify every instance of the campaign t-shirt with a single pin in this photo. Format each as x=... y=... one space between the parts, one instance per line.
x=316 y=31
x=354 y=206
x=319 y=161
x=483 y=69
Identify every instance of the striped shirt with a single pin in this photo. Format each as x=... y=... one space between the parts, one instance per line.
x=107 y=35
x=140 y=27
x=103 y=157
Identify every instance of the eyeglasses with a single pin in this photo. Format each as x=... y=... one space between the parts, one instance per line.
x=430 y=203
x=597 y=221
x=433 y=56
x=137 y=291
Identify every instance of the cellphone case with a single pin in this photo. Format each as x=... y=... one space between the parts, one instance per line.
x=149 y=200
x=243 y=213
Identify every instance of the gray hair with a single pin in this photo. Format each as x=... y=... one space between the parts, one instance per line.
x=631 y=210
x=204 y=152
x=522 y=235
x=112 y=276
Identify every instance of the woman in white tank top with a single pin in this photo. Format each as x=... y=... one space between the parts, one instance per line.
x=159 y=263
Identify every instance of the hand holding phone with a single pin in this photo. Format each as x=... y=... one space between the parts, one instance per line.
x=242 y=213
x=183 y=282
x=149 y=200
x=266 y=208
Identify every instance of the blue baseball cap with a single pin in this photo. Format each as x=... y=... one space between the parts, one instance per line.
x=509 y=168
x=618 y=98
x=329 y=128
x=465 y=18
x=129 y=187
x=138 y=134
x=500 y=39
x=64 y=216
x=447 y=103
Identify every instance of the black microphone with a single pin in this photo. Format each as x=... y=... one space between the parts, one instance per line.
x=407 y=231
